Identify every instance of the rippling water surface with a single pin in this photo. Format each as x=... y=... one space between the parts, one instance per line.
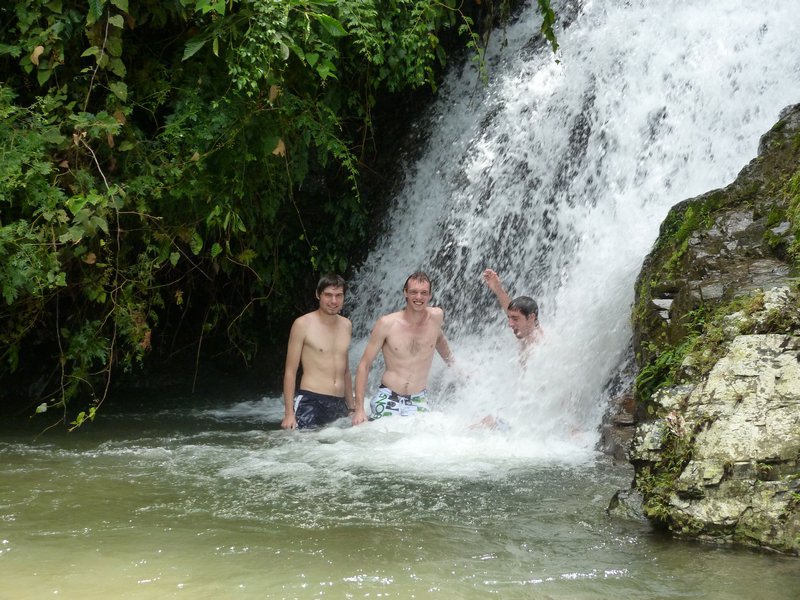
x=217 y=502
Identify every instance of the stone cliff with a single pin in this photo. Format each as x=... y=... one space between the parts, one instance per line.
x=716 y=449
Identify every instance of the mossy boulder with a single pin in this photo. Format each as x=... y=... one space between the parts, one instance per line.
x=716 y=251
x=716 y=326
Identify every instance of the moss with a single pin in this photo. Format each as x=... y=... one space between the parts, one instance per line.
x=655 y=487
x=656 y=482
x=779 y=126
x=660 y=372
x=792 y=194
x=696 y=217
x=686 y=525
x=709 y=335
x=778 y=321
x=684 y=219
x=764 y=471
x=776 y=215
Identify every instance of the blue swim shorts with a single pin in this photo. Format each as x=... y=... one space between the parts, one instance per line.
x=315 y=410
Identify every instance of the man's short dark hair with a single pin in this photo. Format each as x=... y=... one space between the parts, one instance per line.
x=331 y=280
x=526 y=305
x=419 y=276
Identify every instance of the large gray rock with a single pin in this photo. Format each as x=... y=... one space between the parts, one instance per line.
x=723 y=462
x=716 y=449
x=722 y=245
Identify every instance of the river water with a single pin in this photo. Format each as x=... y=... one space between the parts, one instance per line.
x=215 y=501
x=557 y=174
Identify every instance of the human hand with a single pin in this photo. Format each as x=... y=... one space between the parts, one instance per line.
x=358 y=416
x=492 y=279
x=289 y=422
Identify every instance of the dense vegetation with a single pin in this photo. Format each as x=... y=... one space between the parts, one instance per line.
x=172 y=173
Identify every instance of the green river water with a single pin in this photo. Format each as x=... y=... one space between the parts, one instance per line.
x=214 y=501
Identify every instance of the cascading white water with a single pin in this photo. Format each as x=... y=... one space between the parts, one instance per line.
x=558 y=175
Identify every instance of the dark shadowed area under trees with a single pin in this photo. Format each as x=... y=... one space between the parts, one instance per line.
x=175 y=175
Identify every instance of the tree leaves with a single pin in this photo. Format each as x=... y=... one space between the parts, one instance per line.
x=193 y=46
x=329 y=24
x=166 y=180
x=95 y=11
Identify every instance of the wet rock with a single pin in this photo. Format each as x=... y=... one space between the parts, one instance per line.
x=741 y=428
x=626 y=504
x=716 y=449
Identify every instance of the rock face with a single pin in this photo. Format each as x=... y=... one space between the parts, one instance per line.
x=716 y=450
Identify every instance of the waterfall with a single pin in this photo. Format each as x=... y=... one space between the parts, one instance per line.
x=557 y=174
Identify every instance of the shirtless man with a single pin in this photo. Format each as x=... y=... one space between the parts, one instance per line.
x=407 y=339
x=522 y=311
x=319 y=342
x=523 y=319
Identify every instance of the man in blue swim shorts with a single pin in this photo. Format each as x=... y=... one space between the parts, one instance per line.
x=319 y=343
x=312 y=409
x=408 y=339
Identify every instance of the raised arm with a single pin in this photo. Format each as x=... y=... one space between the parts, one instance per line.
x=492 y=280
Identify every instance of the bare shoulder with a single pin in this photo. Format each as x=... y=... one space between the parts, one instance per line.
x=345 y=323
x=302 y=322
x=300 y=330
x=436 y=313
x=391 y=318
x=385 y=323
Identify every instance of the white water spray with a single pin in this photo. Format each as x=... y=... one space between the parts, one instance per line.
x=558 y=175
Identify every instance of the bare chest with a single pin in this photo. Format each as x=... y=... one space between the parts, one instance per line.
x=412 y=342
x=327 y=341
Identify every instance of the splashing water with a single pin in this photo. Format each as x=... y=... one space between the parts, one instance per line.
x=558 y=175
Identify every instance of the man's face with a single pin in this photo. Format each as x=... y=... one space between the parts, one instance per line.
x=331 y=300
x=418 y=294
x=521 y=325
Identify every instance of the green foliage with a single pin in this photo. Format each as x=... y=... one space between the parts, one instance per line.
x=164 y=163
x=709 y=333
x=548 y=23
x=681 y=224
x=660 y=372
x=792 y=191
x=656 y=482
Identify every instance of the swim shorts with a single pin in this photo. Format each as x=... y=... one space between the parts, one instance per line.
x=314 y=410
x=387 y=403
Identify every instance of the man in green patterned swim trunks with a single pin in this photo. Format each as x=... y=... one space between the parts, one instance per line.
x=387 y=402
x=407 y=339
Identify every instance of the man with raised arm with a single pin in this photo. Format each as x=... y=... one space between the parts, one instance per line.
x=522 y=311
x=319 y=343
x=523 y=319
x=407 y=339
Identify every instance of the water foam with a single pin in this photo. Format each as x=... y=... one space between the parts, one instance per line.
x=558 y=175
